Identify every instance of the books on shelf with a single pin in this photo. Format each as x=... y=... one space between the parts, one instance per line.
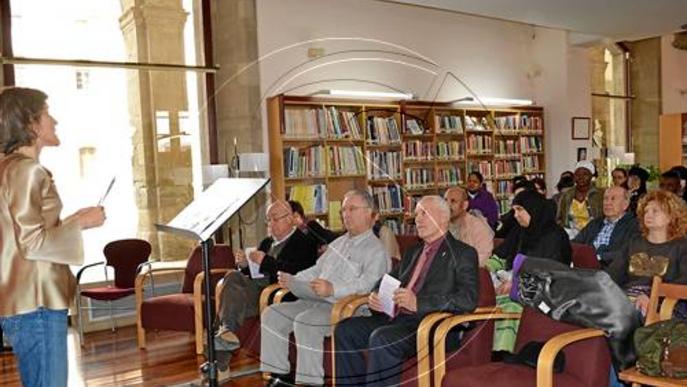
x=476 y=123
x=480 y=144
x=346 y=160
x=313 y=198
x=446 y=123
x=388 y=199
x=410 y=202
x=415 y=126
x=507 y=168
x=451 y=150
x=321 y=123
x=306 y=162
x=531 y=144
x=507 y=123
x=383 y=165
x=531 y=163
x=449 y=176
x=507 y=149
x=484 y=167
x=335 y=222
x=382 y=131
x=419 y=178
x=504 y=205
x=531 y=123
x=415 y=150
x=504 y=188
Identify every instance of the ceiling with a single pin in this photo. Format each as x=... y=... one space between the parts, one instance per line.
x=614 y=19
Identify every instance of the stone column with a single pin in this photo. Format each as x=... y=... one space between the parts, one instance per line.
x=153 y=32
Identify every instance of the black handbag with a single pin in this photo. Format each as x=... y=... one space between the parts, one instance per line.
x=584 y=297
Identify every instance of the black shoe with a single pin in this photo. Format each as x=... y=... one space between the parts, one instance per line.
x=281 y=380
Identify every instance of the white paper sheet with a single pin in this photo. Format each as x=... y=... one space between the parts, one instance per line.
x=387 y=288
x=253 y=267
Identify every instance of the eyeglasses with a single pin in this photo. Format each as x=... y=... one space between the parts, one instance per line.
x=276 y=219
x=351 y=209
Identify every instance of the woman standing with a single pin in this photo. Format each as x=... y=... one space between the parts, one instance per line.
x=36 y=283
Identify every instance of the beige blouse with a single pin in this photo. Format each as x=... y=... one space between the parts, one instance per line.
x=36 y=246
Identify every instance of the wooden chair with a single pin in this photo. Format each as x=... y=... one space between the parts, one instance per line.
x=180 y=311
x=587 y=361
x=658 y=311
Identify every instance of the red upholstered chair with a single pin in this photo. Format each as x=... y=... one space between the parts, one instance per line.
x=125 y=256
x=406 y=241
x=181 y=311
x=584 y=256
x=587 y=357
x=476 y=343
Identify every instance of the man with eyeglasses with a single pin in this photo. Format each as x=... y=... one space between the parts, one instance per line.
x=286 y=249
x=439 y=274
x=352 y=264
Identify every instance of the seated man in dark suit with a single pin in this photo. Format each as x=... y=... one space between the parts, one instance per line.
x=440 y=274
x=614 y=230
x=287 y=249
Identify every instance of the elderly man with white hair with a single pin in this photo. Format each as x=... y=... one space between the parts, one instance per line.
x=439 y=274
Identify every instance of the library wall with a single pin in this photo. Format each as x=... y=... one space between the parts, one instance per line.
x=673 y=77
x=494 y=58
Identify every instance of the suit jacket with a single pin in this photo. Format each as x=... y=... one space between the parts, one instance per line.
x=298 y=253
x=625 y=230
x=452 y=282
x=36 y=246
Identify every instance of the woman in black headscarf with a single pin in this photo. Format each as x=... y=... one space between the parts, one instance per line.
x=536 y=234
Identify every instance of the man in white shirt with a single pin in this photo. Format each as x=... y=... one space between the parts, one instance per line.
x=352 y=264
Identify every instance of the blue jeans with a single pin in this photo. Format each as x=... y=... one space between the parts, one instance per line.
x=39 y=342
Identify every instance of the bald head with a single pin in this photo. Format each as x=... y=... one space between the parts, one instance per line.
x=616 y=201
x=432 y=216
x=457 y=200
x=280 y=220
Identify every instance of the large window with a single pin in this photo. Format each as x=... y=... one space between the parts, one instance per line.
x=140 y=125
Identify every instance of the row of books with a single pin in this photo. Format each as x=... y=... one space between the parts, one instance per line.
x=480 y=144
x=417 y=178
x=383 y=131
x=507 y=168
x=306 y=162
x=451 y=150
x=415 y=126
x=507 y=147
x=531 y=144
x=449 y=176
x=504 y=188
x=388 y=199
x=531 y=122
x=346 y=160
x=476 y=123
x=321 y=123
x=531 y=163
x=418 y=150
x=399 y=227
x=313 y=198
x=484 y=167
x=504 y=205
x=383 y=165
x=410 y=202
x=448 y=124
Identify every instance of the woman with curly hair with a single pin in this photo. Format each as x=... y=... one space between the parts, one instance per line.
x=661 y=251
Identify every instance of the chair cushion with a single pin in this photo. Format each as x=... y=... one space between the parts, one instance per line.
x=172 y=312
x=506 y=375
x=107 y=293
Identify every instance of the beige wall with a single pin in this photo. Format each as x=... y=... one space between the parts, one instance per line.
x=645 y=79
x=494 y=58
x=673 y=77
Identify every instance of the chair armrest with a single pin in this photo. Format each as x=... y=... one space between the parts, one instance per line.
x=352 y=306
x=442 y=332
x=555 y=345
x=266 y=294
x=279 y=295
x=200 y=277
x=338 y=311
x=83 y=269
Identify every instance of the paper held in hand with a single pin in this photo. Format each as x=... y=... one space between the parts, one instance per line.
x=386 y=291
x=253 y=267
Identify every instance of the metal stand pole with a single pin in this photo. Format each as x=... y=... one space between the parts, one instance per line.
x=209 y=368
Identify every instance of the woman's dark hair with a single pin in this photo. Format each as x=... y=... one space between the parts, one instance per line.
x=620 y=169
x=681 y=170
x=20 y=107
x=538 y=181
x=478 y=175
x=297 y=208
x=565 y=182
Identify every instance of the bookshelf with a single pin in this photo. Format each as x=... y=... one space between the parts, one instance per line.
x=320 y=148
x=672 y=140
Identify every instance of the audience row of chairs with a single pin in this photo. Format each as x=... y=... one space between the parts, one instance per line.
x=183 y=311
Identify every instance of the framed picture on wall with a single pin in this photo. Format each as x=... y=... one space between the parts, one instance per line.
x=580 y=128
x=581 y=154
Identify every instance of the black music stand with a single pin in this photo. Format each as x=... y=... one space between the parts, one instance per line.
x=199 y=221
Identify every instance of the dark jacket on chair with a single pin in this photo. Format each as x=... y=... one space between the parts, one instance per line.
x=625 y=230
x=299 y=253
x=452 y=281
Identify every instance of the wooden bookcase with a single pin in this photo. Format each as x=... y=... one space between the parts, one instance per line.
x=672 y=141
x=437 y=145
